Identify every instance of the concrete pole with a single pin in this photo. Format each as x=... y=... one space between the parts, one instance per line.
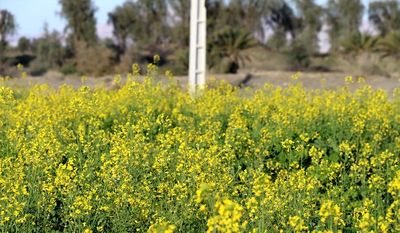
x=198 y=34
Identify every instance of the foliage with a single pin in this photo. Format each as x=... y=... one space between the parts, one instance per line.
x=180 y=62
x=385 y=15
x=8 y=27
x=80 y=16
x=49 y=50
x=310 y=22
x=68 y=69
x=358 y=43
x=250 y=15
x=124 y=19
x=230 y=43
x=282 y=20
x=344 y=18
x=298 y=56
x=93 y=60
x=390 y=45
x=153 y=28
x=149 y=157
x=145 y=27
x=180 y=32
x=24 y=44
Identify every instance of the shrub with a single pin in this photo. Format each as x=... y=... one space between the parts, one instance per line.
x=93 y=60
x=298 y=57
x=68 y=69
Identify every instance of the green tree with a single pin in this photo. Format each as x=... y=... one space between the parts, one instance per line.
x=80 y=16
x=24 y=44
x=217 y=15
x=124 y=19
x=95 y=61
x=280 y=17
x=358 y=43
x=298 y=56
x=181 y=13
x=8 y=27
x=48 y=50
x=229 y=44
x=390 y=45
x=153 y=28
x=249 y=15
x=344 y=19
x=310 y=24
x=385 y=15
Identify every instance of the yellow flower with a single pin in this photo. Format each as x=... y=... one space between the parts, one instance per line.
x=297 y=223
x=228 y=218
x=330 y=210
x=87 y=230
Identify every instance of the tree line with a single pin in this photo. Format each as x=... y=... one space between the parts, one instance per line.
x=143 y=28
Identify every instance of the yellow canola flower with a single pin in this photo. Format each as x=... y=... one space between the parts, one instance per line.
x=297 y=223
x=228 y=217
x=394 y=186
x=330 y=210
x=148 y=157
x=162 y=227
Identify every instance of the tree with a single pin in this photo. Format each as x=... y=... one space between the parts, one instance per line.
x=48 y=49
x=229 y=44
x=358 y=43
x=216 y=16
x=24 y=44
x=93 y=60
x=298 y=56
x=8 y=26
x=344 y=19
x=124 y=19
x=181 y=16
x=281 y=19
x=390 y=45
x=153 y=27
x=385 y=15
x=80 y=16
x=248 y=14
x=310 y=24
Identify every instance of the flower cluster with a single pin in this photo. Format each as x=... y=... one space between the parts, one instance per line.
x=147 y=157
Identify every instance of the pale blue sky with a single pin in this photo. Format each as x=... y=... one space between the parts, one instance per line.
x=32 y=14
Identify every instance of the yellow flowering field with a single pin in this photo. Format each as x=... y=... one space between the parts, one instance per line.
x=147 y=157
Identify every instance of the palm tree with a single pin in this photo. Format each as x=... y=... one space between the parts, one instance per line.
x=229 y=44
x=358 y=43
x=390 y=45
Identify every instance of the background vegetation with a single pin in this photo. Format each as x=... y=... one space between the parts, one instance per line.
x=143 y=28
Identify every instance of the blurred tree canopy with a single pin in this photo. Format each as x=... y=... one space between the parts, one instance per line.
x=344 y=19
x=81 y=20
x=385 y=15
x=24 y=44
x=144 y=27
x=8 y=27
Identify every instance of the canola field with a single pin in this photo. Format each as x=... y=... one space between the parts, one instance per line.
x=147 y=157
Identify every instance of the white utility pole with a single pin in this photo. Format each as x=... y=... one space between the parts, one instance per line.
x=198 y=34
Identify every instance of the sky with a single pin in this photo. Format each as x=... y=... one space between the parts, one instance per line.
x=31 y=15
